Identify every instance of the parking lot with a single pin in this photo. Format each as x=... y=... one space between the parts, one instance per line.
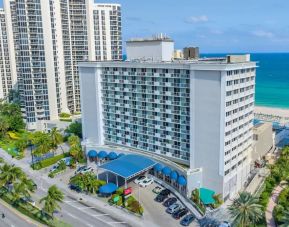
x=155 y=211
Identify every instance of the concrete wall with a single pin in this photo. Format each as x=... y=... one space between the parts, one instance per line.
x=205 y=126
x=156 y=50
x=92 y=124
x=263 y=140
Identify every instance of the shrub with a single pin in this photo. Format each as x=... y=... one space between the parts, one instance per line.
x=65 y=119
x=64 y=115
x=48 y=162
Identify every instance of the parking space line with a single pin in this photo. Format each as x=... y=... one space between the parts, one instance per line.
x=70 y=201
x=77 y=218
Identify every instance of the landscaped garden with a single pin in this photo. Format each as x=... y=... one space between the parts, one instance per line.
x=248 y=210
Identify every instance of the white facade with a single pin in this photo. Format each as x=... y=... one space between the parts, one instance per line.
x=47 y=39
x=7 y=72
x=158 y=48
x=196 y=113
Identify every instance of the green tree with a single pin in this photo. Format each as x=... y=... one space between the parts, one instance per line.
x=52 y=200
x=245 y=210
x=13 y=115
x=218 y=199
x=23 y=189
x=75 y=147
x=21 y=144
x=75 y=128
x=285 y=219
x=56 y=138
x=4 y=126
x=9 y=174
x=42 y=142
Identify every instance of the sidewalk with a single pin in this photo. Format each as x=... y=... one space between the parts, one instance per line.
x=270 y=207
x=20 y=215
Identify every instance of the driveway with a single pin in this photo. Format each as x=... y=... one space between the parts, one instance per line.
x=154 y=211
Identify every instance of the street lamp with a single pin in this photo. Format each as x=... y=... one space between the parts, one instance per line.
x=30 y=145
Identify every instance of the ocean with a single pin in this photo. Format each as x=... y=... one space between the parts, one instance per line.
x=272 y=79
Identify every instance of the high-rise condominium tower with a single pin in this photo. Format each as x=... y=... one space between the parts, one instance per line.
x=7 y=68
x=50 y=38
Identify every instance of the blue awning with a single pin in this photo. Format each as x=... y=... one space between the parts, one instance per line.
x=129 y=165
x=182 y=180
x=112 y=155
x=158 y=167
x=102 y=154
x=108 y=188
x=120 y=155
x=166 y=171
x=174 y=175
x=92 y=154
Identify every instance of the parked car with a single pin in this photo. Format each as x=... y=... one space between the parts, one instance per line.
x=53 y=168
x=146 y=182
x=75 y=188
x=157 y=189
x=67 y=161
x=173 y=208
x=160 y=198
x=225 y=224
x=187 y=220
x=139 y=179
x=83 y=170
x=165 y=192
x=180 y=213
x=170 y=201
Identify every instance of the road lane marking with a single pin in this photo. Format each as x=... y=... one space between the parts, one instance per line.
x=98 y=215
x=77 y=218
x=116 y=222
x=84 y=208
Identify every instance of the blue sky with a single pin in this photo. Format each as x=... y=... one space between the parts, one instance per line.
x=213 y=25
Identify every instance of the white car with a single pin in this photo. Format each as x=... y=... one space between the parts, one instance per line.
x=146 y=182
x=139 y=179
x=173 y=208
x=84 y=170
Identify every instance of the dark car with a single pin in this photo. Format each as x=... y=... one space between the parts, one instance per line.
x=180 y=213
x=170 y=201
x=160 y=198
x=75 y=188
x=166 y=192
x=187 y=220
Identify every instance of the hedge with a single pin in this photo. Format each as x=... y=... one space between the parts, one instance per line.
x=48 y=162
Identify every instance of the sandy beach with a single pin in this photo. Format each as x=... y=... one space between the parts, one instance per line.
x=272 y=114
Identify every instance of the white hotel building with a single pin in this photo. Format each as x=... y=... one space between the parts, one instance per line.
x=47 y=39
x=197 y=113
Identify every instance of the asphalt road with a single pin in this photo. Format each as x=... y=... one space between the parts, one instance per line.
x=74 y=212
x=11 y=219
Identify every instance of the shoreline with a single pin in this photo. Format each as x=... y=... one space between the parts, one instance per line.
x=272 y=114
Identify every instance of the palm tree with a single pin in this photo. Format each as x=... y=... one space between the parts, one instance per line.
x=56 y=138
x=52 y=200
x=4 y=126
x=73 y=141
x=21 y=145
x=1 y=160
x=23 y=188
x=9 y=174
x=285 y=219
x=218 y=199
x=245 y=210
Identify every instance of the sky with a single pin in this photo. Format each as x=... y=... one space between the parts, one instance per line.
x=216 y=26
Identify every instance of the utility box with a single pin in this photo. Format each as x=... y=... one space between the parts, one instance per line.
x=191 y=53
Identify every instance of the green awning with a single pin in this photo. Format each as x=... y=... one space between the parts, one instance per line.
x=206 y=196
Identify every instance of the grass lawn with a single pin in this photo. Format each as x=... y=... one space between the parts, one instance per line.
x=49 y=161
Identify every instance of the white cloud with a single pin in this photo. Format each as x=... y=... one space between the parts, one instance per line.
x=197 y=19
x=264 y=34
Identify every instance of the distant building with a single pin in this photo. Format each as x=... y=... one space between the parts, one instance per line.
x=197 y=113
x=191 y=53
x=47 y=40
x=262 y=140
x=7 y=65
x=158 y=48
x=178 y=54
